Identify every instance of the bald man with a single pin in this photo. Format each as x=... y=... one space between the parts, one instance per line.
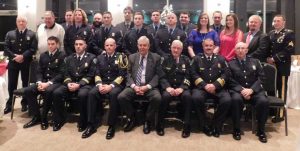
x=246 y=85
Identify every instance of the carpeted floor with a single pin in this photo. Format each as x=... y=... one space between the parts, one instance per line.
x=14 y=138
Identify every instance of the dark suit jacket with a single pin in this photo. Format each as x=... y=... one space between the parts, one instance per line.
x=153 y=69
x=188 y=28
x=214 y=28
x=122 y=28
x=151 y=29
x=258 y=45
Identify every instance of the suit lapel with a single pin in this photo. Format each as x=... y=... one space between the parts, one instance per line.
x=148 y=66
x=254 y=39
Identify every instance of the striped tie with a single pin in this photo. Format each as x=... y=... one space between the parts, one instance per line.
x=139 y=73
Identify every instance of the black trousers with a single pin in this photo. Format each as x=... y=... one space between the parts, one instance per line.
x=260 y=103
x=127 y=96
x=31 y=93
x=13 y=75
x=223 y=100
x=61 y=94
x=186 y=100
x=95 y=97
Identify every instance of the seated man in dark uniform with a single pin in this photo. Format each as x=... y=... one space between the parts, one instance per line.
x=246 y=85
x=175 y=83
x=78 y=80
x=110 y=73
x=210 y=72
x=49 y=77
x=143 y=73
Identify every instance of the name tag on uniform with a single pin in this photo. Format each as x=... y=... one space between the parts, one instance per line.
x=178 y=37
x=86 y=64
x=56 y=60
x=201 y=68
x=254 y=67
x=113 y=34
x=84 y=33
x=219 y=65
x=28 y=38
x=116 y=62
x=12 y=41
x=183 y=67
x=167 y=68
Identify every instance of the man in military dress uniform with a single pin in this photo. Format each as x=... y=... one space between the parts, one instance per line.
x=20 y=45
x=165 y=36
x=155 y=25
x=282 y=43
x=49 y=77
x=78 y=80
x=210 y=72
x=175 y=83
x=110 y=73
x=246 y=85
x=106 y=31
x=80 y=28
x=131 y=37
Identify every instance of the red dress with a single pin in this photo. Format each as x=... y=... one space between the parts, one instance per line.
x=228 y=42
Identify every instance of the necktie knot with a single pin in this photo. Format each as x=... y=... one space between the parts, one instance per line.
x=209 y=58
x=106 y=30
x=156 y=27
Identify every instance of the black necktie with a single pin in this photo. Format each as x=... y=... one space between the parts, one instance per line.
x=106 y=30
x=127 y=26
x=183 y=27
x=170 y=31
x=156 y=27
x=137 y=31
x=51 y=55
x=21 y=33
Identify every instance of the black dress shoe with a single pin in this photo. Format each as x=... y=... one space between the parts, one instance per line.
x=110 y=132
x=81 y=128
x=236 y=135
x=44 y=124
x=186 y=131
x=216 y=132
x=88 y=132
x=160 y=130
x=262 y=137
x=57 y=126
x=207 y=131
x=129 y=125
x=146 y=127
x=34 y=121
x=24 y=108
x=7 y=109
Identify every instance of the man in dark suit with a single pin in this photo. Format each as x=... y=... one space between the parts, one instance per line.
x=175 y=83
x=282 y=46
x=257 y=41
x=127 y=24
x=246 y=86
x=130 y=39
x=106 y=31
x=78 y=80
x=68 y=19
x=110 y=73
x=165 y=36
x=217 y=25
x=49 y=77
x=143 y=73
x=80 y=28
x=20 y=45
x=210 y=72
x=155 y=25
x=184 y=23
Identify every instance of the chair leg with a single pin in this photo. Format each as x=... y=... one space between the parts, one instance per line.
x=253 y=120
x=12 y=106
x=285 y=120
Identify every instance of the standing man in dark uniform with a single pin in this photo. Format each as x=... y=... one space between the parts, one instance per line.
x=210 y=72
x=246 y=86
x=164 y=37
x=49 y=77
x=78 y=80
x=257 y=41
x=110 y=73
x=175 y=83
x=127 y=24
x=68 y=19
x=155 y=25
x=144 y=71
x=184 y=23
x=217 y=25
x=20 y=45
x=282 y=46
x=106 y=31
x=80 y=28
x=131 y=37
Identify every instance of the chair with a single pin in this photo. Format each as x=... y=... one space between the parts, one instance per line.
x=269 y=84
x=32 y=80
